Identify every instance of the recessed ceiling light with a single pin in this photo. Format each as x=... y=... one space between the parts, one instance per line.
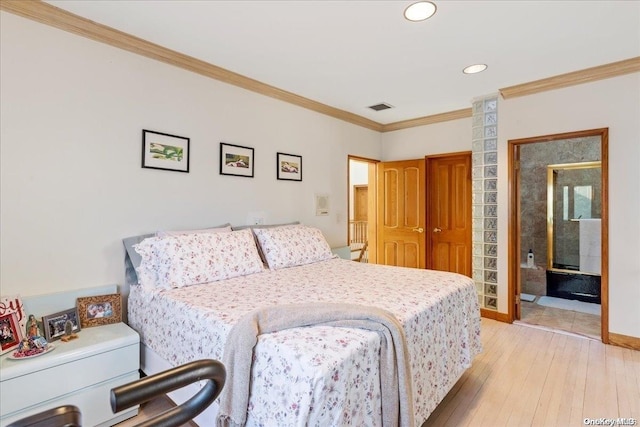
x=476 y=68
x=420 y=11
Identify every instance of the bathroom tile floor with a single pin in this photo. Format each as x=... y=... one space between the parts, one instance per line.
x=556 y=318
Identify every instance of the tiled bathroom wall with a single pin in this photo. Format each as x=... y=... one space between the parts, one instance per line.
x=534 y=159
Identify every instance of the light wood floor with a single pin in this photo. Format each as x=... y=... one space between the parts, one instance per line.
x=566 y=320
x=531 y=377
x=150 y=409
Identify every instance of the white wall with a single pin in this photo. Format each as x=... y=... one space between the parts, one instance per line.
x=612 y=103
x=71 y=185
x=438 y=138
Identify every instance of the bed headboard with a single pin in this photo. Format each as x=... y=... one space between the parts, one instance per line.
x=132 y=259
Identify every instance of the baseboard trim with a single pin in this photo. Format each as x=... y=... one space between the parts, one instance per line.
x=495 y=315
x=624 y=341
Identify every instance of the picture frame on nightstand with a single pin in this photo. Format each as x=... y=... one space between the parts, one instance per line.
x=54 y=325
x=10 y=332
x=100 y=310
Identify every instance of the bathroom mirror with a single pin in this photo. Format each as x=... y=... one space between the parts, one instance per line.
x=574 y=209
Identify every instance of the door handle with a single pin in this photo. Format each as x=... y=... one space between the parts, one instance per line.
x=437 y=230
x=418 y=229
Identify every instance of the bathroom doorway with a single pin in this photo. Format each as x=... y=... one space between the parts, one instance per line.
x=558 y=232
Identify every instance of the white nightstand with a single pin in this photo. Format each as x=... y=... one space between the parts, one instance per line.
x=343 y=252
x=80 y=372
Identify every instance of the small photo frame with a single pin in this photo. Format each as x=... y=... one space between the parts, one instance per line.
x=164 y=151
x=236 y=160
x=10 y=332
x=100 y=310
x=13 y=304
x=289 y=167
x=54 y=325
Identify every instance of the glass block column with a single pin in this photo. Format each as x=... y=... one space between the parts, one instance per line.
x=485 y=200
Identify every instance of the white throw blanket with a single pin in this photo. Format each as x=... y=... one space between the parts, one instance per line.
x=395 y=376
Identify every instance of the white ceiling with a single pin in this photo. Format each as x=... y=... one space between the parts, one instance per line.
x=353 y=54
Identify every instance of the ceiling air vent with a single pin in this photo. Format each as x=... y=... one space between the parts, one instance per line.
x=381 y=106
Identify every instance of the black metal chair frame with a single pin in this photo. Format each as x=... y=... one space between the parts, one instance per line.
x=144 y=390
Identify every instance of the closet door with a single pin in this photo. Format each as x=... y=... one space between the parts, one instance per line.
x=449 y=213
x=401 y=213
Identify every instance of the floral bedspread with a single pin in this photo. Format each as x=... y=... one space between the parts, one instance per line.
x=320 y=376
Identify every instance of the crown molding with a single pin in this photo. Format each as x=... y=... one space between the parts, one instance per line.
x=428 y=120
x=47 y=14
x=614 y=69
x=53 y=16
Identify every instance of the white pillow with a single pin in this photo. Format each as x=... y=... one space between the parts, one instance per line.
x=254 y=227
x=221 y=229
x=294 y=245
x=189 y=259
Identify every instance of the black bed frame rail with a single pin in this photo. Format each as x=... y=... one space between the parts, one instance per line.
x=145 y=389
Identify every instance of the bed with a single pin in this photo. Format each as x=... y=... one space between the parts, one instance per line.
x=322 y=375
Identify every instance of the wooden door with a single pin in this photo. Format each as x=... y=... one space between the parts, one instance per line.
x=360 y=202
x=401 y=213
x=449 y=213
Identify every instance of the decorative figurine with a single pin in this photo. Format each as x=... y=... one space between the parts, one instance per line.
x=33 y=327
x=32 y=346
x=68 y=331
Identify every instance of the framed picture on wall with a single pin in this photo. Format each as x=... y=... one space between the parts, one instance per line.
x=236 y=160
x=164 y=151
x=289 y=167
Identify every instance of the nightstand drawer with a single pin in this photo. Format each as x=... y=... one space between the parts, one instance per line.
x=80 y=372
x=67 y=378
x=93 y=402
